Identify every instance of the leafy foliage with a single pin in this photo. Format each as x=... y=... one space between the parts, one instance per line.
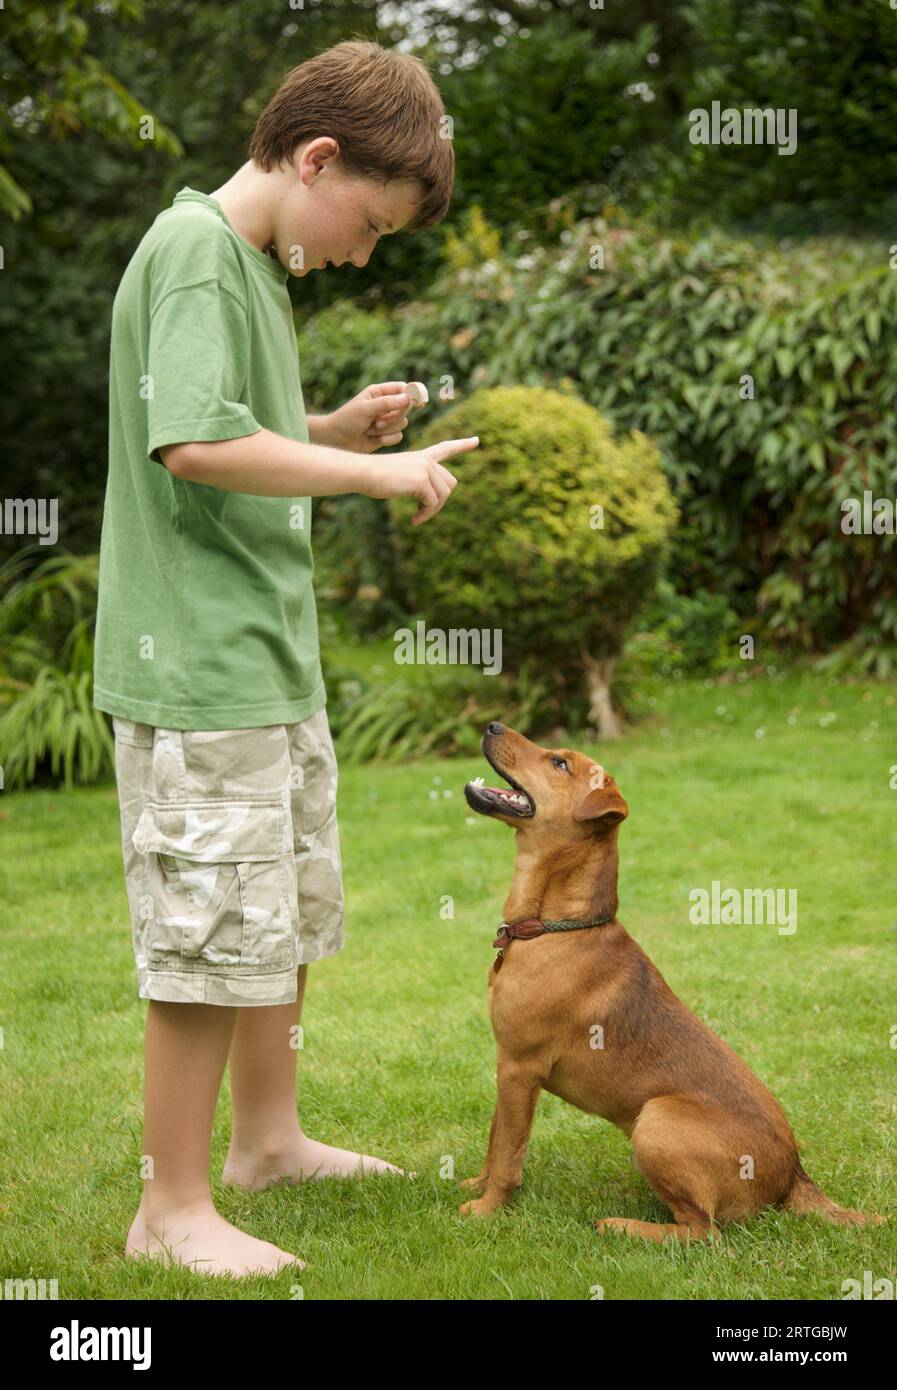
x=662 y=339
x=355 y=566
x=47 y=718
x=445 y=714
x=51 y=84
x=565 y=103
x=833 y=66
x=682 y=635
x=556 y=109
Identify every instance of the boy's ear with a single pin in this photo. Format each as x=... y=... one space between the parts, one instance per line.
x=605 y=806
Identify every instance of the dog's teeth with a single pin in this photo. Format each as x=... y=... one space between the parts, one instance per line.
x=477 y=782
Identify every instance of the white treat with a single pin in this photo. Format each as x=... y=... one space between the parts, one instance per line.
x=418 y=393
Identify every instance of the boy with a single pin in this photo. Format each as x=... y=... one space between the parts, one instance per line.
x=206 y=644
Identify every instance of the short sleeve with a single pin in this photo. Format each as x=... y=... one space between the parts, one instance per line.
x=197 y=368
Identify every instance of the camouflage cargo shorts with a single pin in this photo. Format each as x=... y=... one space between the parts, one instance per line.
x=232 y=858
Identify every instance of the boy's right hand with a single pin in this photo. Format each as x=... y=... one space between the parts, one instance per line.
x=419 y=473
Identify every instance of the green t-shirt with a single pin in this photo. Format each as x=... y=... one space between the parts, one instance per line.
x=206 y=616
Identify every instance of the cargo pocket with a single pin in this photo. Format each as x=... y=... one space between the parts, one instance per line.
x=320 y=887
x=216 y=885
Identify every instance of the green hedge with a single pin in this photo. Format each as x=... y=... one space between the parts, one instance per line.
x=659 y=340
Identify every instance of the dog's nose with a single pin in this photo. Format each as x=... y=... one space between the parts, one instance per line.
x=495 y=727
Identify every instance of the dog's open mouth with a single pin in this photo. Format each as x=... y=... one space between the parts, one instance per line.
x=509 y=801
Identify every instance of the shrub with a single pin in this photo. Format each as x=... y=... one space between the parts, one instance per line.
x=553 y=535
x=479 y=243
x=663 y=339
x=695 y=634
x=658 y=340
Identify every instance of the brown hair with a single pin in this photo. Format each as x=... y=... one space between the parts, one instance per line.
x=381 y=107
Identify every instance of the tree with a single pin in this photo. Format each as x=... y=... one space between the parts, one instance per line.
x=51 y=85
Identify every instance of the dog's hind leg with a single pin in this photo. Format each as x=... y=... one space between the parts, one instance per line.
x=686 y=1228
x=518 y=1094
x=690 y=1157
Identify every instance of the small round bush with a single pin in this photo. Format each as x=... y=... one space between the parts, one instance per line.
x=554 y=533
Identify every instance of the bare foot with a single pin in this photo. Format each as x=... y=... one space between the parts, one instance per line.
x=204 y=1241
x=301 y=1159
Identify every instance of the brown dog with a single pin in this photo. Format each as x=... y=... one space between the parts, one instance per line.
x=580 y=1010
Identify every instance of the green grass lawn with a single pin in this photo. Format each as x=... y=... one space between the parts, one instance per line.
x=766 y=782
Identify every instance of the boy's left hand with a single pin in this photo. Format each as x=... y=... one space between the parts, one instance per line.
x=376 y=416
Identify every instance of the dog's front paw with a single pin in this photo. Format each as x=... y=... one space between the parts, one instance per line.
x=477 y=1182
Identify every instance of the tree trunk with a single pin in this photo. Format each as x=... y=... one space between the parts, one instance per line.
x=601 y=711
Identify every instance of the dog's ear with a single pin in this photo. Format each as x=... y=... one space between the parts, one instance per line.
x=603 y=805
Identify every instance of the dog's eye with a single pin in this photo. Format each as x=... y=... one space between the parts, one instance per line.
x=562 y=763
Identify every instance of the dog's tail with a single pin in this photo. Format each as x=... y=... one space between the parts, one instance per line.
x=805 y=1197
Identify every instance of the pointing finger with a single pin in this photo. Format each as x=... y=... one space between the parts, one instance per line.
x=438 y=452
